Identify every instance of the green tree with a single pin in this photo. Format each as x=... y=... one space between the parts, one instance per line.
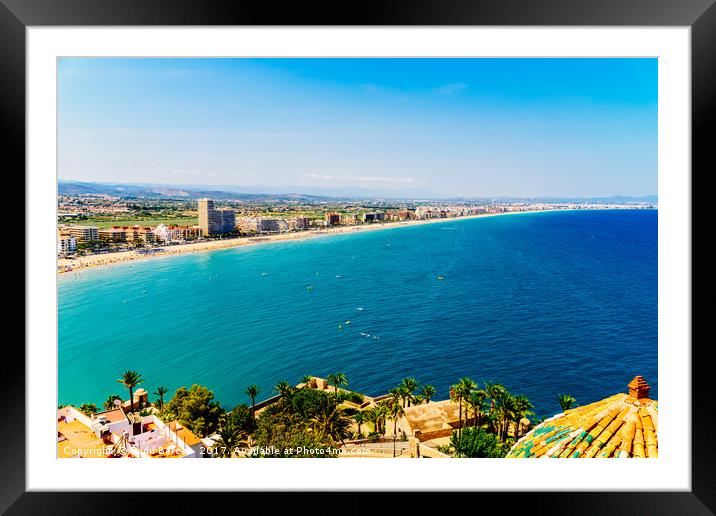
x=337 y=380
x=566 y=401
x=409 y=385
x=521 y=406
x=428 y=391
x=130 y=379
x=243 y=418
x=476 y=400
x=88 y=409
x=252 y=391
x=306 y=380
x=477 y=443
x=229 y=437
x=195 y=408
x=494 y=391
x=289 y=435
x=461 y=391
x=373 y=415
x=396 y=412
x=331 y=421
x=397 y=395
x=109 y=403
x=161 y=392
x=360 y=418
x=284 y=389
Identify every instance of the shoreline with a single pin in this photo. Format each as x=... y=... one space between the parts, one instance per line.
x=95 y=261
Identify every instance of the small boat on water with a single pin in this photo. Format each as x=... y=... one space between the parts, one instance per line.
x=441 y=277
x=365 y=334
x=360 y=308
x=310 y=287
x=348 y=322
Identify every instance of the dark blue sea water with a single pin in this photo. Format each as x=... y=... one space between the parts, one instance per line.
x=544 y=303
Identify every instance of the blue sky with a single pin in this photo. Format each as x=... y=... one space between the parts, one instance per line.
x=442 y=127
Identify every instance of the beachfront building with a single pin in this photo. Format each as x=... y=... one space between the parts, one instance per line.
x=299 y=223
x=214 y=221
x=129 y=234
x=82 y=233
x=66 y=244
x=374 y=216
x=399 y=215
x=248 y=224
x=350 y=219
x=176 y=234
x=272 y=225
x=430 y=212
x=332 y=218
x=624 y=425
x=113 y=234
x=118 y=434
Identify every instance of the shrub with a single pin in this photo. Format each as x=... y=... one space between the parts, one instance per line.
x=477 y=443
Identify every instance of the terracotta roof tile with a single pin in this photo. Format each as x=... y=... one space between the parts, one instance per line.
x=617 y=426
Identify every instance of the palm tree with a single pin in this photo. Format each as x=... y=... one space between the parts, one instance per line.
x=360 y=418
x=464 y=387
x=494 y=390
x=230 y=435
x=373 y=415
x=476 y=400
x=409 y=385
x=566 y=401
x=306 y=380
x=331 y=421
x=109 y=404
x=396 y=412
x=521 y=408
x=397 y=395
x=284 y=389
x=428 y=391
x=383 y=410
x=161 y=391
x=88 y=409
x=252 y=391
x=337 y=380
x=455 y=396
x=504 y=411
x=130 y=379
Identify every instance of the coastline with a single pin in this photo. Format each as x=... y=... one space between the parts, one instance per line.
x=104 y=260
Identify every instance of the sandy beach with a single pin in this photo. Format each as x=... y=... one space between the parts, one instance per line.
x=106 y=259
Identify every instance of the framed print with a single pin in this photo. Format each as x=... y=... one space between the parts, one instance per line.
x=460 y=234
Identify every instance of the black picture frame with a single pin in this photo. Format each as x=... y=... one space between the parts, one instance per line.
x=699 y=15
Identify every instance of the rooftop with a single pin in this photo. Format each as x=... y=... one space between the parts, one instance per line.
x=75 y=439
x=184 y=433
x=623 y=425
x=112 y=416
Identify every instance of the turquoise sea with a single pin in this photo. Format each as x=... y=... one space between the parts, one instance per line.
x=542 y=302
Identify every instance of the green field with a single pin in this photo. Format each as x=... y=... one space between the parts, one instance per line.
x=151 y=222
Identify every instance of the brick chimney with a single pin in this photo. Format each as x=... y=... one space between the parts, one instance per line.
x=638 y=388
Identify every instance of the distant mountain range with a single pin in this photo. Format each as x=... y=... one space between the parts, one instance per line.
x=307 y=194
